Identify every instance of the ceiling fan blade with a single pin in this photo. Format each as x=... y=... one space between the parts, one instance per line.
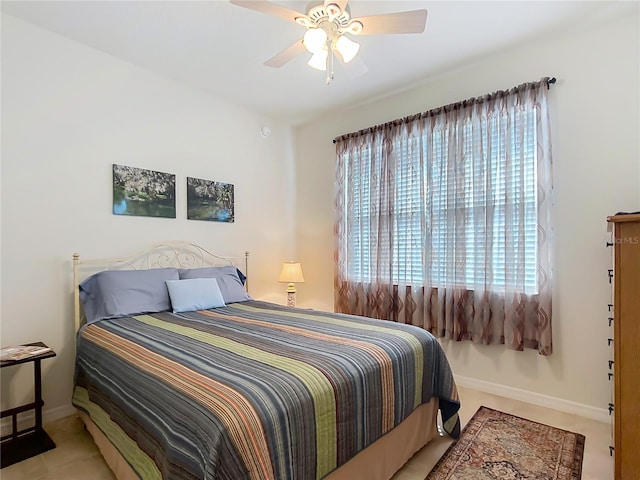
x=285 y=55
x=341 y=3
x=263 y=6
x=413 y=21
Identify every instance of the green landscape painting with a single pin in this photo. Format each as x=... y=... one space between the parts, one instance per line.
x=212 y=201
x=144 y=193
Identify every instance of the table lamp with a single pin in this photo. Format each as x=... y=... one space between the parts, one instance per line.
x=291 y=273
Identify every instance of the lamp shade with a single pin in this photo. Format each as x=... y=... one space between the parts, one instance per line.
x=315 y=39
x=347 y=48
x=319 y=60
x=291 y=273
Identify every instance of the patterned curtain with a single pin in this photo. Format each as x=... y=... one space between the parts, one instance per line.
x=443 y=220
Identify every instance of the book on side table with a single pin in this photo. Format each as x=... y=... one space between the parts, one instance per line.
x=20 y=352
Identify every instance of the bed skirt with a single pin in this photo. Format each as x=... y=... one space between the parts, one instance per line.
x=377 y=462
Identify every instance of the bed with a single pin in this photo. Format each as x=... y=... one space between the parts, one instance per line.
x=175 y=382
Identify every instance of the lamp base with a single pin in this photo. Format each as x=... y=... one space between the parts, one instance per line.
x=291 y=299
x=291 y=295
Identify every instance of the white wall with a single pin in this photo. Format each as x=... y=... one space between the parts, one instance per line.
x=68 y=113
x=595 y=110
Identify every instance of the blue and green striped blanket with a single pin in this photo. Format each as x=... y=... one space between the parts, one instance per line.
x=254 y=390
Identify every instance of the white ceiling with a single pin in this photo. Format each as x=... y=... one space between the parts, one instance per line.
x=220 y=48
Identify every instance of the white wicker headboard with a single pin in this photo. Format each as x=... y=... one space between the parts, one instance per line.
x=168 y=254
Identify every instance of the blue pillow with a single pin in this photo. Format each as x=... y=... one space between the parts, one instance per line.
x=194 y=294
x=227 y=278
x=121 y=293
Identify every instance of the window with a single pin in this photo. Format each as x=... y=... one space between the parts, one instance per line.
x=476 y=191
x=443 y=220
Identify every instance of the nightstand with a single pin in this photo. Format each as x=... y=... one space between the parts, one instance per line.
x=23 y=444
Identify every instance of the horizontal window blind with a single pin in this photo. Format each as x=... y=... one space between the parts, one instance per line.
x=459 y=206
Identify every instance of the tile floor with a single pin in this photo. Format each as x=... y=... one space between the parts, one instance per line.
x=77 y=457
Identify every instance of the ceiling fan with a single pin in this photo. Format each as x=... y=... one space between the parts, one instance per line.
x=328 y=25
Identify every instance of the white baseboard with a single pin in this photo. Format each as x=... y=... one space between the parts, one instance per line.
x=567 y=406
x=27 y=419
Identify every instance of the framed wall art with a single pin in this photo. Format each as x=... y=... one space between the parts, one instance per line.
x=144 y=193
x=207 y=200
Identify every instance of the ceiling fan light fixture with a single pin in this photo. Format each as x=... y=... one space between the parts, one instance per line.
x=315 y=40
x=327 y=22
x=319 y=60
x=347 y=48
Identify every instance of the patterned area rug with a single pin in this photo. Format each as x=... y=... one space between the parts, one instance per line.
x=498 y=446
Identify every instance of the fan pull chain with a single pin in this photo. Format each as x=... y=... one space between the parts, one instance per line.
x=330 y=73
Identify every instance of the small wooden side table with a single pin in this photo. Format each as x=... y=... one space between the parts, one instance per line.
x=23 y=444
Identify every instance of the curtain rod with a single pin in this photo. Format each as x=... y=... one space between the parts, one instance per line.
x=549 y=81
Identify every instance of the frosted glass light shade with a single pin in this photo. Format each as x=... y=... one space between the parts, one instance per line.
x=291 y=273
x=347 y=48
x=319 y=60
x=315 y=39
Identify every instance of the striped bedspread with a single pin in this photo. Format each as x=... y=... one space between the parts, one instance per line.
x=254 y=390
